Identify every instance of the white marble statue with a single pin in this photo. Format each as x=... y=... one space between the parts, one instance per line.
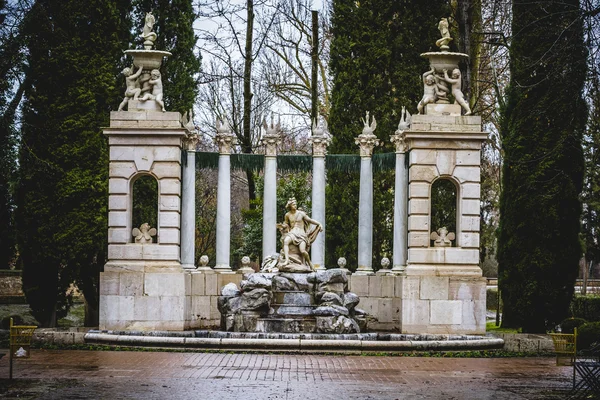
x=147 y=34
x=133 y=86
x=157 y=89
x=430 y=90
x=445 y=32
x=442 y=238
x=368 y=129
x=143 y=234
x=296 y=238
x=405 y=120
x=187 y=121
x=456 y=85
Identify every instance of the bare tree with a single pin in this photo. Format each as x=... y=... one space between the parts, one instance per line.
x=233 y=35
x=287 y=59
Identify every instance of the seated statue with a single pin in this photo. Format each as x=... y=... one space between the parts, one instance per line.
x=296 y=238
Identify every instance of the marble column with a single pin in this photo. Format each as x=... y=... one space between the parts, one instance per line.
x=224 y=140
x=270 y=140
x=320 y=141
x=188 y=202
x=367 y=141
x=400 y=249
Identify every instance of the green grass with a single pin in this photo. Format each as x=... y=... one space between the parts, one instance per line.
x=491 y=327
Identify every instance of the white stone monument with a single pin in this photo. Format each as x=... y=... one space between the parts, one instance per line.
x=443 y=290
x=143 y=285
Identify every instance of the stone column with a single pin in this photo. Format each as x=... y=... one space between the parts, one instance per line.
x=224 y=140
x=367 y=141
x=319 y=141
x=271 y=139
x=188 y=202
x=400 y=249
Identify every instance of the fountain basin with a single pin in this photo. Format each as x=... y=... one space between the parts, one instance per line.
x=441 y=60
x=148 y=59
x=359 y=342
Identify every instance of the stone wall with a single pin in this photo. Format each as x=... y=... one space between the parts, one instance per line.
x=385 y=298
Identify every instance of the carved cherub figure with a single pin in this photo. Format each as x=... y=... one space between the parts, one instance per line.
x=430 y=90
x=368 y=129
x=133 y=87
x=157 y=89
x=144 y=233
x=456 y=83
x=442 y=238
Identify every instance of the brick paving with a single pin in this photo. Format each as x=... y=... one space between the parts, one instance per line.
x=75 y=374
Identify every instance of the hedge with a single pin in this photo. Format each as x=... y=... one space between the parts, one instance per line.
x=586 y=307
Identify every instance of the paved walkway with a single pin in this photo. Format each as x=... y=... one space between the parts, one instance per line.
x=50 y=374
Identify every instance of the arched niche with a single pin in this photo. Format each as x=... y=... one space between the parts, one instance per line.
x=144 y=202
x=444 y=206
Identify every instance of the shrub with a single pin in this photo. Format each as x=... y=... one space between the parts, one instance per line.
x=587 y=334
x=586 y=307
x=568 y=325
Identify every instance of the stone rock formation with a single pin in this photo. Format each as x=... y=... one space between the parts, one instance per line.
x=317 y=302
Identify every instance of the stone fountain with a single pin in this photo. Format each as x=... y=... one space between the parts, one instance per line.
x=288 y=295
x=444 y=78
x=145 y=82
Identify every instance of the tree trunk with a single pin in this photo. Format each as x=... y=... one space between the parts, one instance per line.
x=468 y=16
x=314 y=114
x=246 y=122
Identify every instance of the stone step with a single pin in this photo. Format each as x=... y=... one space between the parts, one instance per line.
x=286 y=325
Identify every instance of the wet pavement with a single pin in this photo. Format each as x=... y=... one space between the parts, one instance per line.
x=76 y=374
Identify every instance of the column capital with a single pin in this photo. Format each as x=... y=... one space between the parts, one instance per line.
x=190 y=141
x=367 y=143
x=224 y=138
x=399 y=140
x=319 y=145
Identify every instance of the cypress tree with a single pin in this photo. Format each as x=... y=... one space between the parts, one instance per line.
x=174 y=27
x=591 y=191
x=545 y=115
x=376 y=66
x=74 y=52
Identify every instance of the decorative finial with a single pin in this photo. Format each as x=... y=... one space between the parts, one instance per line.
x=368 y=129
x=147 y=34
x=445 y=32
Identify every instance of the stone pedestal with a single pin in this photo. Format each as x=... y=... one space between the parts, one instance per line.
x=443 y=291
x=143 y=286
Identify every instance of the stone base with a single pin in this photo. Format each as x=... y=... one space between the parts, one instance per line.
x=443 y=304
x=144 y=296
x=138 y=105
x=443 y=109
